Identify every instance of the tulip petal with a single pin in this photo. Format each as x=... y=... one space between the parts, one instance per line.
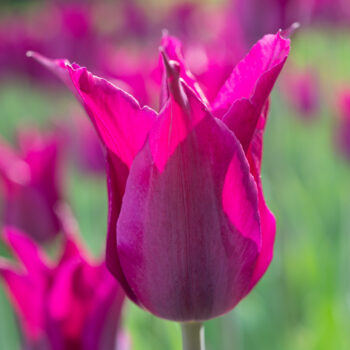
x=26 y=250
x=102 y=323
x=117 y=174
x=268 y=222
x=119 y=119
x=180 y=246
x=26 y=288
x=178 y=117
x=26 y=301
x=269 y=52
x=241 y=119
x=60 y=300
x=242 y=97
x=12 y=168
x=172 y=47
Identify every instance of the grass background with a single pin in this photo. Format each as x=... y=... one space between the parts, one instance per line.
x=303 y=301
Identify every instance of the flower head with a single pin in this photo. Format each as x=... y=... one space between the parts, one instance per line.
x=189 y=232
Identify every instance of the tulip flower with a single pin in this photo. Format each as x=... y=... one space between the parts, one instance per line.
x=189 y=232
x=70 y=304
x=31 y=178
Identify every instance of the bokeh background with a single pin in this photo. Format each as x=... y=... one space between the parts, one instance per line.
x=303 y=301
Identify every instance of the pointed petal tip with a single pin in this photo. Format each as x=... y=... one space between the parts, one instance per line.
x=172 y=67
x=47 y=62
x=37 y=57
x=288 y=32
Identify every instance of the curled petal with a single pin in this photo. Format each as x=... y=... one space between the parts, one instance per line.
x=29 y=254
x=269 y=52
x=121 y=122
x=241 y=99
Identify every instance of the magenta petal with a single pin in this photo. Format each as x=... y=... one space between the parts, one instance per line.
x=121 y=122
x=268 y=222
x=26 y=250
x=12 y=168
x=241 y=99
x=241 y=118
x=183 y=112
x=267 y=53
x=100 y=329
x=252 y=79
x=268 y=232
x=60 y=300
x=181 y=254
x=28 y=304
x=173 y=49
x=117 y=174
x=26 y=284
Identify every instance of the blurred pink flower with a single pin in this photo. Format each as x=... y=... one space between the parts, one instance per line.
x=263 y=16
x=301 y=88
x=189 y=233
x=334 y=11
x=69 y=304
x=32 y=179
x=69 y=30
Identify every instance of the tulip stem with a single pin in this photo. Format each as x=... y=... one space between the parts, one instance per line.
x=192 y=336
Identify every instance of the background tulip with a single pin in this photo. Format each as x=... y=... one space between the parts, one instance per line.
x=32 y=184
x=71 y=303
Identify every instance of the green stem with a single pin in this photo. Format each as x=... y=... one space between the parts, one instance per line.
x=192 y=336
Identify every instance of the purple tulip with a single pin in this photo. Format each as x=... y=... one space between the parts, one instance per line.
x=70 y=304
x=31 y=179
x=189 y=232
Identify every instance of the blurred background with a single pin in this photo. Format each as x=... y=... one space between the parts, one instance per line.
x=303 y=301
